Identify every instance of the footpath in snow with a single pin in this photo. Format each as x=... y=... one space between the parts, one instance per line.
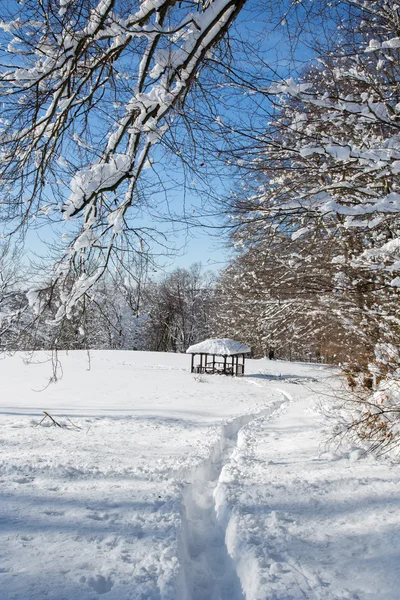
x=166 y=486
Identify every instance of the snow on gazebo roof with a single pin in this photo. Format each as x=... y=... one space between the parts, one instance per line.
x=221 y=347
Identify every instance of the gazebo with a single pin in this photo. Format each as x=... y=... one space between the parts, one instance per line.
x=223 y=356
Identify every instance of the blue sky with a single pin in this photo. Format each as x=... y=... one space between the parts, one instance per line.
x=193 y=244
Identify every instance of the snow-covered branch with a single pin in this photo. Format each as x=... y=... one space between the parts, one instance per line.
x=87 y=91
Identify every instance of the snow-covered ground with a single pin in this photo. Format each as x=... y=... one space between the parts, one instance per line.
x=167 y=486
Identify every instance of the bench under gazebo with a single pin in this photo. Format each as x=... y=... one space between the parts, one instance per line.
x=223 y=356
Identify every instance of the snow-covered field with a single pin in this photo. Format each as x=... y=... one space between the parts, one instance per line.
x=163 y=485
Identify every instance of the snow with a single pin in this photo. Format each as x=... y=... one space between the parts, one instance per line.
x=393 y=43
x=33 y=296
x=373 y=46
x=220 y=347
x=85 y=182
x=85 y=240
x=289 y=86
x=165 y=486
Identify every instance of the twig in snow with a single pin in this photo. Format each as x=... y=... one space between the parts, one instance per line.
x=47 y=415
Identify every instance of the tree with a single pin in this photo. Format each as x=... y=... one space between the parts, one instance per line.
x=179 y=308
x=88 y=89
x=328 y=167
x=13 y=302
x=288 y=295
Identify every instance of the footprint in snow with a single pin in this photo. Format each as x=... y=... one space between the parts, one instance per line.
x=98 y=516
x=126 y=556
x=99 y=583
x=26 y=538
x=54 y=513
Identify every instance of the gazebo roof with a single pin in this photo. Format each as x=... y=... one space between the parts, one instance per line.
x=221 y=347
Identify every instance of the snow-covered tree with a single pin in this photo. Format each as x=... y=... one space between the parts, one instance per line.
x=13 y=302
x=179 y=309
x=288 y=295
x=329 y=165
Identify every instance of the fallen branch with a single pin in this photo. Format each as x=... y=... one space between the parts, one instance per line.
x=56 y=423
x=47 y=415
